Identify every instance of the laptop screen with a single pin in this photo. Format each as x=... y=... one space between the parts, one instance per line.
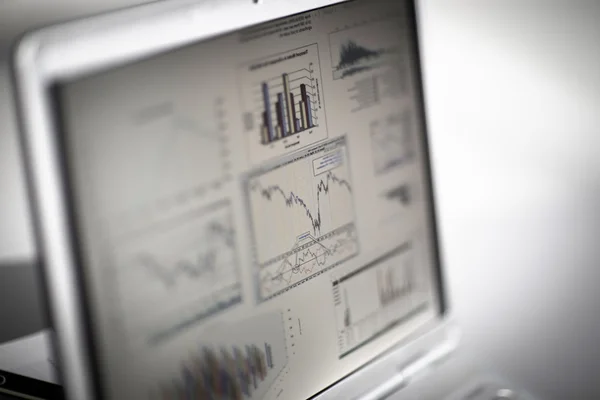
x=253 y=212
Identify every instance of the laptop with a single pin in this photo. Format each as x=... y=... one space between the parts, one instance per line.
x=233 y=200
x=28 y=370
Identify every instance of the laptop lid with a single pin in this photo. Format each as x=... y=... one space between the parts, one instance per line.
x=233 y=200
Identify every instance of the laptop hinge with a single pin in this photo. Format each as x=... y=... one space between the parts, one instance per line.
x=411 y=371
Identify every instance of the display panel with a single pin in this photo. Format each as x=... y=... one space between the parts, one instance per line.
x=254 y=210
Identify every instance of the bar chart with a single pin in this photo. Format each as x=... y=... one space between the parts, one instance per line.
x=294 y=110
x=284 y=102
x=234 y=361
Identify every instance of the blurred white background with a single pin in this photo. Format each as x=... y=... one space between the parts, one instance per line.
x=513 y=92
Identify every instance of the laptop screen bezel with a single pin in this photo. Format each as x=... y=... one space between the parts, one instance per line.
x=50 y=57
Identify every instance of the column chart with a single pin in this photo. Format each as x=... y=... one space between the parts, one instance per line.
x=284 y=103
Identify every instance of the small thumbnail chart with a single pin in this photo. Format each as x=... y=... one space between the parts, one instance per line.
x=401 y=195
x=284 y=104
x=302 y=217
x=397 y=206
x=175 y=274
x=392 y=142
x=376 y=297
x=361 y=47
x=242 y=363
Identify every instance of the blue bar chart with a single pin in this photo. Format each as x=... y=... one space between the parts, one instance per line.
x=294 y=114
x=284 y=102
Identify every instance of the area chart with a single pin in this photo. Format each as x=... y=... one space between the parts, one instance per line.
x=392 y=142
x=363 y=46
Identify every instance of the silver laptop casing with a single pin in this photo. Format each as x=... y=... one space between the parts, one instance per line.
x=64 y=52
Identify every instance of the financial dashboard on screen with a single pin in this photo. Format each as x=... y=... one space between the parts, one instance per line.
x=254 y=210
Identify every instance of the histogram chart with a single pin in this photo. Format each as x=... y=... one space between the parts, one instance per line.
x=284 y=102
x=178 y=273
x=360 y=47
x=392 y=142
x=240 y=362
x=302 y=217
x=376 y=297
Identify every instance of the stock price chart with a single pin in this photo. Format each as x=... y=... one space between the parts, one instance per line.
x=302 y=212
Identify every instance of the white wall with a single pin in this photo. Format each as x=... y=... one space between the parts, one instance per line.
x=16 y=240
x=514 y=99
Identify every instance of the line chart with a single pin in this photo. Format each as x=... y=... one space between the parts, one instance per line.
x=203 y=265
x=308 y=259
x=302 y=217
x=178 y=273
x=292 y=199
